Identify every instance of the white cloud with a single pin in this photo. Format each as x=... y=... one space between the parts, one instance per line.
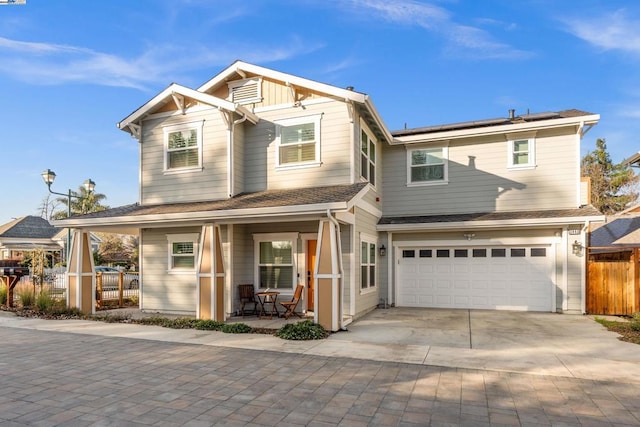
x=49 y=63
x=462 y=39
x=613 y=31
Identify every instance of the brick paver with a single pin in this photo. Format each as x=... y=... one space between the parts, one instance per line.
x=50 y=378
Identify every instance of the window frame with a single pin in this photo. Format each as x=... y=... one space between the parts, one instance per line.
x=315 y=120
x=445 y=162
x=193 y=238
x=531 y=151
x=276 y=237
x=371 y=142
x=371 y=243
x=181 y=127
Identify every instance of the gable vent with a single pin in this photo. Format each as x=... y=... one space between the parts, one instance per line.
x=245 y=91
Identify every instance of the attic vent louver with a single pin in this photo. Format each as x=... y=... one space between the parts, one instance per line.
x=245 y=91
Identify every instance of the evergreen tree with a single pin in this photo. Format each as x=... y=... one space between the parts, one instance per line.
x=613 y=186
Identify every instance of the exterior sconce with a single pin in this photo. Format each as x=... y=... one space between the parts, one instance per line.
x=576 y=248
x=382 y=250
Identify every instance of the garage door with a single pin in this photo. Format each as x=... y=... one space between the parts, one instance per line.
x=498 y=278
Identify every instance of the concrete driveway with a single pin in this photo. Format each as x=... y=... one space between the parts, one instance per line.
x=541 y=343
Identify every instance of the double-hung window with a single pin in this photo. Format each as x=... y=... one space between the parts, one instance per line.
x=521 y=151
x=275 y=260
x=367 y=263
x=183 y=147
x=183 y=250
x=367 y=156
x=427 y=165
x=298 y=141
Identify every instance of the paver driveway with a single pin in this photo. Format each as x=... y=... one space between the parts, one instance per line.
x=53 y=378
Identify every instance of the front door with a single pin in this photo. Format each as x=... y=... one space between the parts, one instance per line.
x=311 y=264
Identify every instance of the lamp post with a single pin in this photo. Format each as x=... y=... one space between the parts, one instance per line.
x=49 y=176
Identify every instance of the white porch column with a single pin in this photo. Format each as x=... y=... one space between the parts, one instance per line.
x=328 y=277
x=210 y=291
x=80 y=279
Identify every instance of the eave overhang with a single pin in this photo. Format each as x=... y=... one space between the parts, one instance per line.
x=491 y=224
x=129 y=123
x=230 y=216
x=579 y=121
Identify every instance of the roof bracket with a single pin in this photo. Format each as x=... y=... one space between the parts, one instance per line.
x=135 y=131
x=179 y=100
x=350 y=110
x=585 y=128
x=294 y=95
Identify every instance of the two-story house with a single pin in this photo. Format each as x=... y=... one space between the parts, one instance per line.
x=267 y=178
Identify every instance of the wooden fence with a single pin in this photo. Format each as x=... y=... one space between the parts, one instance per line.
x=613 y=285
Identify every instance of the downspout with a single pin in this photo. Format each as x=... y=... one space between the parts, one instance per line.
x=230 y=158
x=339 y=246
x=578 y=143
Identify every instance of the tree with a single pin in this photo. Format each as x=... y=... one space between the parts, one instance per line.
x=82 y=202
x=613 y=186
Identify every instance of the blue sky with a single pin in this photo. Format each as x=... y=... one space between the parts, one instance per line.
x=71 y=69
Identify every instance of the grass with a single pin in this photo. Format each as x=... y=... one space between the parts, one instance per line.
x=629 y=330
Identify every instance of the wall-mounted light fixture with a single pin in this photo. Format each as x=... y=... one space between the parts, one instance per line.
x=469 y=236
x=382 y=250
x=576 y=248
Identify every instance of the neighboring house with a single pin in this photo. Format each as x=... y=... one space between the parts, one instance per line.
x=31 y=232
x=26 y=234
x=267 y=178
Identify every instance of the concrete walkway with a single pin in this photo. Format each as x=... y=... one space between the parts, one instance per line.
x=532 y=343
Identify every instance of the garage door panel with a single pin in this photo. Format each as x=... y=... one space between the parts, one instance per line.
x=507 y=278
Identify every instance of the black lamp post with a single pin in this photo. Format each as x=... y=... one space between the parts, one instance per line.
x=49 y=176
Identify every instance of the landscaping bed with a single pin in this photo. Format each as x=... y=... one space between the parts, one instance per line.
x=627 y=328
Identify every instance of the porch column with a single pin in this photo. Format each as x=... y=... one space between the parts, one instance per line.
x=80 y=277
x=210 y=276
x=328 y=277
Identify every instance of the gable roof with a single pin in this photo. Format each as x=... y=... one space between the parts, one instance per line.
x=176 y=89
x=270 y=203
x=28 y=227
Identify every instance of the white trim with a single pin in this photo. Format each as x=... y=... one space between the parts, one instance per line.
x=198 y=125
x=390 y=258
x=445 y=162
x=289 y=105
x=565 y=268
x=182 y=237
x=272 y=237
x=529 y=223
x=315 y=119
x=498 y=241
x=370 y=139
x=495 y=130
x=531 y=152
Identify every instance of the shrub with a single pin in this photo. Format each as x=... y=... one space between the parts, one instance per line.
x=236 y=328
x=25 y=293
x=305 y=330
x=3 y=294
x=112 y=318
x=183 y=323
x=208 y=325
x=44 y=301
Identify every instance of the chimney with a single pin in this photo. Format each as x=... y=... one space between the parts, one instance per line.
x=512 y=114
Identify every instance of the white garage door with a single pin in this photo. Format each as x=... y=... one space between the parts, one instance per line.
x=498 y=278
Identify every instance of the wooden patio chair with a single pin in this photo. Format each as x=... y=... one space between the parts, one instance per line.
x=290 y=306
x=247 y=296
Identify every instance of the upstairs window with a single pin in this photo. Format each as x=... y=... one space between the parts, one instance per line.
x=183 y=147
x=427 y=165
x=522 y=153
x=245 y=91
x=298 y=142
x=367 y=157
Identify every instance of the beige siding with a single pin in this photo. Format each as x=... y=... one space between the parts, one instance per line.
x=170 y=293
x=238 y=159
x=366 y=300
x=273 y=93
x=260 y=153
x=210 y=183
x=479 y=180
